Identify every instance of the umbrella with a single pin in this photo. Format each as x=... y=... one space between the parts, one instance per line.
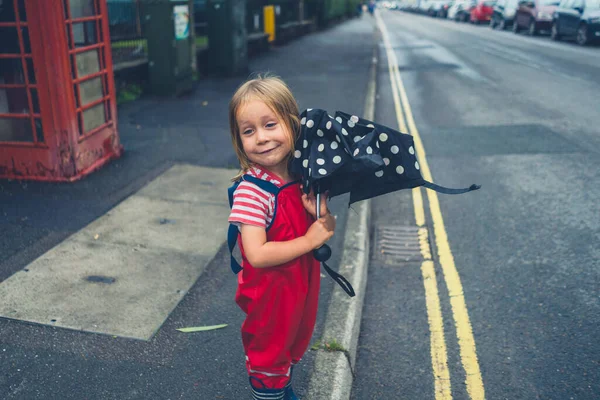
x=348 y=154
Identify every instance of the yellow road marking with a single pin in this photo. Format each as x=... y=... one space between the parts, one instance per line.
x=464 y=331
x=439 y=354
x=418 y=205
x=439 y=358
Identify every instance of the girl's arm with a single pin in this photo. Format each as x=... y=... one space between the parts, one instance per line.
x=264 y=254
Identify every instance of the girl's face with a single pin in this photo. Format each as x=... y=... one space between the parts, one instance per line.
x=265 y=137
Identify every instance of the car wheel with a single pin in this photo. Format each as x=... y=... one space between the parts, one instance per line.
x=554 y=33
x=502 y=24
x=531 y=29
x=582 y=35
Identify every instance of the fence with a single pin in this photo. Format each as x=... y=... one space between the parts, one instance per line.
x=127 y=41
x=129 y=45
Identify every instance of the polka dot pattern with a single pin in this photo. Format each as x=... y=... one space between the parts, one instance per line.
x=328 y=146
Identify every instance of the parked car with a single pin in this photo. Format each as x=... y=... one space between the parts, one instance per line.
x=504 y=14
x=433 y=7
x=534 y=15
x=482 y=12
x=423 y=6
x=578 y=18
x=461 y=10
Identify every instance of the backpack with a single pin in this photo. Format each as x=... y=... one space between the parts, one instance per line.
x=233 y=231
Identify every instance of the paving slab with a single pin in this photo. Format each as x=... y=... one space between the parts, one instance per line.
x=124 y=273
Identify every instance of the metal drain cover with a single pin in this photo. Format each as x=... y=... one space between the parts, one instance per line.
x=397 y=244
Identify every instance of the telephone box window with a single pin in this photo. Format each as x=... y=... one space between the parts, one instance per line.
x=18 y=105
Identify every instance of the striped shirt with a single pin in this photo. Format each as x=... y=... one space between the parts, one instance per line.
x=251 y=204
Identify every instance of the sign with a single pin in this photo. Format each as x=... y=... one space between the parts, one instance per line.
x=181 y=16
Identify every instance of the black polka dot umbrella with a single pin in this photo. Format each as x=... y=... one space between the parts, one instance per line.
x=348 y=154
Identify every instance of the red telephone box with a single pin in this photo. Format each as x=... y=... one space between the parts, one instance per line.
x=58 y=119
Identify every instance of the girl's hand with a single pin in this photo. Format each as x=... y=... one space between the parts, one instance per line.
x=310 y=204
x=320 y=231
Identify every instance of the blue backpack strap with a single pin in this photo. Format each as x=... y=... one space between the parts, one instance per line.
x=233 y=231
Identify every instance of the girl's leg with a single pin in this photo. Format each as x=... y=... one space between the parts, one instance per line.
x=273 y=317
x=260 y=392
x=309 y=314
x=289 y=390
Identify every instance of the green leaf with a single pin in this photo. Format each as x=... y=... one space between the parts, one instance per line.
x=201 y=328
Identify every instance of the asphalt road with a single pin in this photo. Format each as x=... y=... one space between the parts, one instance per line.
x=518 y=115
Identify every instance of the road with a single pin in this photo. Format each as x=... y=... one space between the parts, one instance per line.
x=514 y=310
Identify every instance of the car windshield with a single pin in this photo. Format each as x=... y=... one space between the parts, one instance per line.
x=592 y=4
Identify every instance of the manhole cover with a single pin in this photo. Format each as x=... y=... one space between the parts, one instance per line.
x=398 y=244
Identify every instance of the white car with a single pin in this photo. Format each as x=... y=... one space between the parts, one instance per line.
x=459 y=5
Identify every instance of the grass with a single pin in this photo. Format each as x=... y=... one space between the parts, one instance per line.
x=201 y=41
x=130 y=92
x=332 y=345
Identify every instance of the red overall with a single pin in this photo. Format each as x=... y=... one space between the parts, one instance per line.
x=280 y=302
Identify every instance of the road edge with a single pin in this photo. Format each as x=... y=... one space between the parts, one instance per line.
x=333 y=372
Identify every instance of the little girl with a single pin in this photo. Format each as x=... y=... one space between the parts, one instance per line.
x=278 y=287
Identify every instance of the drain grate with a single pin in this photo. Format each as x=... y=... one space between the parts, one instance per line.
x=397 y=244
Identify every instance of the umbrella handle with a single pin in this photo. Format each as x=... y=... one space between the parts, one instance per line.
x=323 y=253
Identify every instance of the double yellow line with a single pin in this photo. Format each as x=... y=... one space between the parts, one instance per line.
x=464 y=332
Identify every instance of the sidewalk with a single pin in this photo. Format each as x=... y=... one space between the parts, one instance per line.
x=326 y=70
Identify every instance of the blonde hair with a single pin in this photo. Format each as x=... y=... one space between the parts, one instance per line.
x=272 y=91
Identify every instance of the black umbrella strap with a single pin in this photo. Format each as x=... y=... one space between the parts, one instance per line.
x=343 y=282
x=445 y=190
